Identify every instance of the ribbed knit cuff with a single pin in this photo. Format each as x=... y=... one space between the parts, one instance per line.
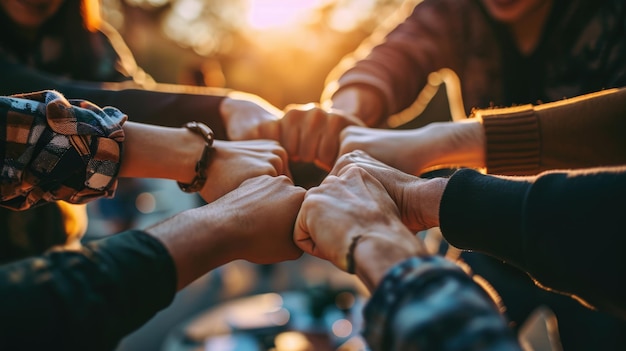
x=513 y=144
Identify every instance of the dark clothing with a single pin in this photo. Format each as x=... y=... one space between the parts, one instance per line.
x=555 y=227
x=432 y=304
x=96 y=66
x=87 y=299
x=54 y=149
x=65 y=56
x=581 y=50
x=152 y=106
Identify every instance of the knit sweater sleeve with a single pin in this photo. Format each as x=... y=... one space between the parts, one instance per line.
x=587 y=131
x=565 y=228
x=397 y=68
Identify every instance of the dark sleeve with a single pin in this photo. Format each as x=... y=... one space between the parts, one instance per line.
x=165 y=105
x=566 y=229
x=86 y=300
x=432 y=304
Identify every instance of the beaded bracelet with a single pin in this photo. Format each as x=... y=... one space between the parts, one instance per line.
x=201 y=166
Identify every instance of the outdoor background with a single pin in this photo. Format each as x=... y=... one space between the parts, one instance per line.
x=281 y=50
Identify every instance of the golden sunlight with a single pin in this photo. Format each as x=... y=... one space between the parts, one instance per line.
x=273 y=14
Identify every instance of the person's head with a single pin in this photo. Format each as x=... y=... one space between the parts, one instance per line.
x=32 y=14
x=511 y=11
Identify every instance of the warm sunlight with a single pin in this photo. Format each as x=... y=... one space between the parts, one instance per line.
x=272 y=14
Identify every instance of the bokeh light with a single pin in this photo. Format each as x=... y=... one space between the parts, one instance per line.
x=342 y=328
x=291 y=43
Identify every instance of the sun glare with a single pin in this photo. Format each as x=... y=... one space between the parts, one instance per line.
x=273 y=14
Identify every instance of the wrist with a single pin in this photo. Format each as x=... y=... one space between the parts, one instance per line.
x=159 y=152
x=361 y=102
x=455 y=144
x=190 y=148
x=427 y=194
x=203 y=162
x=376 y=252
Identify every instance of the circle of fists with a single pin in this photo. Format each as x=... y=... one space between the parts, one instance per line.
x=276 y=220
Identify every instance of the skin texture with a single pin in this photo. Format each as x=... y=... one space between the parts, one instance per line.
x=417 y=199
x=445 y=144
x=311 y=134
x=349 y=205
x=254 y=222
x=172 y=153
x=308 y=133
x=362 y=103
x=249 y=117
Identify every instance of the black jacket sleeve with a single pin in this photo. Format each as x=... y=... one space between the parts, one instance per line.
x=85 y=300
x=165 y=105
x=567 y=229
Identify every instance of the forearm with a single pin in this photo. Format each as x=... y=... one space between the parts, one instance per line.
x=453 y=310
x=88 y=299
x=545 y=225
x=396 y=71
x=165 y=105
x=452 y=144
x=160 y=152
x=373 y=255
x=194 y=252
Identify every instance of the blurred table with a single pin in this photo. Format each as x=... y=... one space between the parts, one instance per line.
x=302 y=305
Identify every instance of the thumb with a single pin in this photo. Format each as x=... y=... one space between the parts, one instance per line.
x=301 y=236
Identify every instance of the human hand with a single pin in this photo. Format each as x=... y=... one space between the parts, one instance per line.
x=417 y=199
x=249 y=117
x=443 y=144
x=258 y=219
x=311 y=134
x=354 y=206
x=253 y=222
x=235 y=161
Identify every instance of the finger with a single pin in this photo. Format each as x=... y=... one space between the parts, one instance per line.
x=284 y=158
x=277 y=164
x=312 y=126
x=290 y=134
x=341 y=162
x=301 y=235
x=345 y=160
x=270 y=130
x=327 y=151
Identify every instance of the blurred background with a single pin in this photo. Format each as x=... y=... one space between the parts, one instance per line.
x=283 y=51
